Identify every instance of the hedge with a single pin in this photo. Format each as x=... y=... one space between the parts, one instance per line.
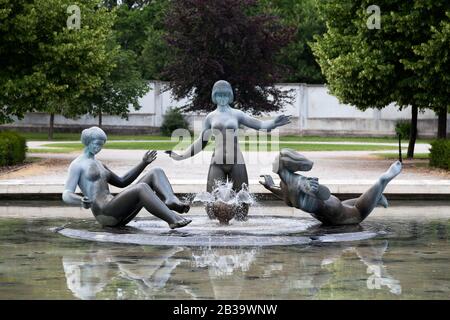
x=173 y=119
x=440 y=154
x=13 y=148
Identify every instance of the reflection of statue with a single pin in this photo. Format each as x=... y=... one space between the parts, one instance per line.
x=90 y=274
x=310 y=196
x=223 y=123
x=153 y=192
x=372 y=258
x=86 y=280
x=138 y=272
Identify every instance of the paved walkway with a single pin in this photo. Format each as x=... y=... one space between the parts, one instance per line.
x=419 y=148
x=342 y=171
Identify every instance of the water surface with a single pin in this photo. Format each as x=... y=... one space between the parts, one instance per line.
x=410 y=261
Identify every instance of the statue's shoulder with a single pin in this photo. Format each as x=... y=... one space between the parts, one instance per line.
x=237 y=113
x=76 y=164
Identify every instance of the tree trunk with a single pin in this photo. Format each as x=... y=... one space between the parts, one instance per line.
x=100 y=119
x=50 y=127
x=442 y=124
x=413 y=133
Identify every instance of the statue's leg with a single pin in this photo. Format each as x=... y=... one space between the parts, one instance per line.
x=369 y=199
x=239 y=176
x=158 y=181
x=216 y=172
x=126 y=205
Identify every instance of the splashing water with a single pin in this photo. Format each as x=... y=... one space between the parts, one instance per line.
x=223 y=203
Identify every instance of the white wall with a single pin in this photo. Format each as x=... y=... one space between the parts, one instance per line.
x=313 y=111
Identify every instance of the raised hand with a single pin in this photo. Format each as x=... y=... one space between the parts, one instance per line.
x=173 y=155
x=86 y=202
x=312 y=184
x=149 y=156
x=282 y=120
x=267 y=181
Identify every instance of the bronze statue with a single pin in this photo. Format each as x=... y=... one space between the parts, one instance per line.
x=223 y=123
x=307 y=194
x=153 y=192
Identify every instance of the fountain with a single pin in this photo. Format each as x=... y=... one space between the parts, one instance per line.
x=227 y=198
x=224 y=204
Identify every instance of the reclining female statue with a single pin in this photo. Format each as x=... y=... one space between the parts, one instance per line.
x=310 y=196
x=153 y=192
x=223 y=123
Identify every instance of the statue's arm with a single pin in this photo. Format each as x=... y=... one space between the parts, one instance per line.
x=270 y=185
x=198 y=145
x=131 y=175
x=128 y=178
x=69 y=196
x=257 y=124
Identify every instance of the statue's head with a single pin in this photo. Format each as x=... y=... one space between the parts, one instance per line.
x=291 y=161
x=222 y=93
x=93 y=138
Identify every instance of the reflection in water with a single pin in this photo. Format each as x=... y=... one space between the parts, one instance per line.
x=379 y=277
x=231 y=273
x=223 y=262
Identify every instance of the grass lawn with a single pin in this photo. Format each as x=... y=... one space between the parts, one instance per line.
x=36 y=136
x=136 y=145
x=349 y=139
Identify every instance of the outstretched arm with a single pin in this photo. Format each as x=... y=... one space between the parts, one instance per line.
x=257 y=124
x=198 y=145
x=270 y=185
x=131 y=175
x=69 y=196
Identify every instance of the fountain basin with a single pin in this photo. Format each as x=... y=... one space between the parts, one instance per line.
x=257 y=231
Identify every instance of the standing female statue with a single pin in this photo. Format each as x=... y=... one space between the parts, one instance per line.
x=310 y=196
x=153 y=192
x=227 y=161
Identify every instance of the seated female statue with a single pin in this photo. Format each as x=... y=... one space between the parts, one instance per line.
x=152 y=192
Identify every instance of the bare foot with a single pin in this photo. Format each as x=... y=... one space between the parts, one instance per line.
x=177 y=205
x=394 y=170
x=180 y=223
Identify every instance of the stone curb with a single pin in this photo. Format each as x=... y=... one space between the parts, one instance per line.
x=411 y=189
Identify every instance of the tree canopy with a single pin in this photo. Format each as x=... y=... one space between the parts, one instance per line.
x=371 y=67
x=304 y=17
x=230 y=40
x=46 y=66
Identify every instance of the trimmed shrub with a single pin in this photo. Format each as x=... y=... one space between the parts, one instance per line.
x=440 y=154
x=173 y=119
x=403 y=128
x=13 y=148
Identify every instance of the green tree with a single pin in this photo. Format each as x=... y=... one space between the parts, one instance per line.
x=140 y=27
x=44 y=65
x=230 y=40
x=298 y=56
x=120 y=90
x=368 y=67
x=432 y=65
